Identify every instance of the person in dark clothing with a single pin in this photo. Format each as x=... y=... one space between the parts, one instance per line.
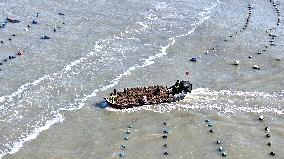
x=176 y=88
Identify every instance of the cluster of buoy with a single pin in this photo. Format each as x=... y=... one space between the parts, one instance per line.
x=126 y=135
x=165 y=136
x=267 y=131
x=11 y=57
x=33 y=22
x=218 y=142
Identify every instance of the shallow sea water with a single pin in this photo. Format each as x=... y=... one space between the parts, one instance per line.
x=48 y=96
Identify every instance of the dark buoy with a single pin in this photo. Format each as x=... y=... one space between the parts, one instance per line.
x=63 y=23
x=12 y=57
x=1 y=41
x=256 y=68
x=121 y=154
x=224 y=154
x=9 y=39
x=122 y=146
x=272 y=153
x=267 y=129
x=34 y=22
x=267 y=135
x=130 y=126
x=193 y=59
x=166 y=131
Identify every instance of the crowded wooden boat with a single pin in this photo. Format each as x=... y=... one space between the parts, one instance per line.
x=149 y=95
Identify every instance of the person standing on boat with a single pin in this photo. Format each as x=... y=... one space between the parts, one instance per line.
x=176 y=87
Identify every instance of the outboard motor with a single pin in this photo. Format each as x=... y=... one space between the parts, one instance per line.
x=186 y=86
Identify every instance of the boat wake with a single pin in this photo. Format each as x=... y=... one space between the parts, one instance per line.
x=224 y=102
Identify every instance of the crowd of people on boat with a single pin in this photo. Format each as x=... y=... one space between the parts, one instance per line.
x=145 y=95
x=142 y=95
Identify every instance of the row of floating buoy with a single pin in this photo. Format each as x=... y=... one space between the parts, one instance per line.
x=218 y=142
x=122 y=147
x=237 y=62
x=34 y=22
x=196 y=59
x=267 y=131
x=165 y=136
x=271 y=41
x=272 y=36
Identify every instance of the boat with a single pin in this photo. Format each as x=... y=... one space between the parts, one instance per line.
x=45 y=37
x=149 y=95
x=10 y=20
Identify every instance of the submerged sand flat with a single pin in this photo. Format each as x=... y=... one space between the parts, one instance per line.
x=49 y=93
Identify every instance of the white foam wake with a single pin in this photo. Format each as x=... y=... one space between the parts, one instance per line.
x=223 y=102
